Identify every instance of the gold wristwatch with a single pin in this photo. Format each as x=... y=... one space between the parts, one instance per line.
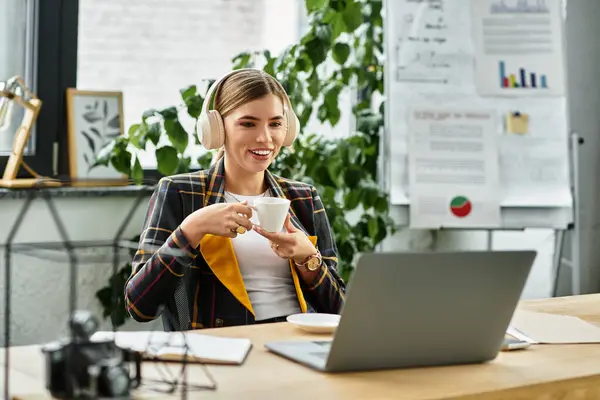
x=312 y=263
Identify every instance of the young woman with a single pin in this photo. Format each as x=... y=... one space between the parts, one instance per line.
x=201 y=260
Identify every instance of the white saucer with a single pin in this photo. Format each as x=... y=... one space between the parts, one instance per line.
x=315 y=322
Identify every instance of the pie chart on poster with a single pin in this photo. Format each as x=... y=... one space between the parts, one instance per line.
x=460 y=206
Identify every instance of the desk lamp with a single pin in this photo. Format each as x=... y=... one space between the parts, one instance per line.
x=32 y=108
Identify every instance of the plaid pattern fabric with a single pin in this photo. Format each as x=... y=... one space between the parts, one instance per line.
x=172 y=278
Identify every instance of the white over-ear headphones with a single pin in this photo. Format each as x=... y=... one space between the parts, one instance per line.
x=210 y=127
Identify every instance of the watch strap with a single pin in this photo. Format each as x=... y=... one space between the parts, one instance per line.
x=308 y=260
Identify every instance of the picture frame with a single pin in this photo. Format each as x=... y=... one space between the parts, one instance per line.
x=94 y=118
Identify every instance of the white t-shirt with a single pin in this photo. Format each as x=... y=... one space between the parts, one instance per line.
x=267 y=276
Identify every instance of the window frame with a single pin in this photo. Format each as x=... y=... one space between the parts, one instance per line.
x=54 y=62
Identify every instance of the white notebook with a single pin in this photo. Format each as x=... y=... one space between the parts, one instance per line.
x=172 y=345
x=535 y=327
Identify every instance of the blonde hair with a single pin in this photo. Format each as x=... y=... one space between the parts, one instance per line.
x=242 y=88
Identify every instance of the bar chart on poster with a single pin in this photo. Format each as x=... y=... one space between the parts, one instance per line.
x=457 y=61
x=523 y=79
x=521 y=42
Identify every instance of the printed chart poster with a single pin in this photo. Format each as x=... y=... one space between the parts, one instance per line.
x=518 y=47
x=453 y=169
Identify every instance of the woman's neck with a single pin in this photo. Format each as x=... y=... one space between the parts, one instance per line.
x=242 y=182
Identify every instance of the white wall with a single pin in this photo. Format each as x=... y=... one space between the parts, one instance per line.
x=539 y=284
x=40 y=287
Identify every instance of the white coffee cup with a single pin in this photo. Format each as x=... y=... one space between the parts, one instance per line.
x=271 y=212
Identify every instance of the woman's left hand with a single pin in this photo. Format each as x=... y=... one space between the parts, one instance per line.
x=292 y=244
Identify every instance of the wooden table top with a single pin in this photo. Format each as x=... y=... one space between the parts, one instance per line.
x=540 y=372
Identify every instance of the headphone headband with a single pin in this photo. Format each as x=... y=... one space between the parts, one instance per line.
x=213 y=88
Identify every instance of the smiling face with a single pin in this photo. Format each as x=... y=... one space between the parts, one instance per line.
x=254 y=133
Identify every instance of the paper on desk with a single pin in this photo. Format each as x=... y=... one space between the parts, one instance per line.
x=204 y=348
x=534 y=327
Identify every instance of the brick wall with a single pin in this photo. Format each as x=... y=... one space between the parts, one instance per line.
x=149 y=49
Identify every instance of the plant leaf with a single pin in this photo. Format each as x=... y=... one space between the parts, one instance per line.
x=137 y=172
x=177 y=135
x=137 y=135
x=317 y=51
x=167 y=160
x=153 y=132
x=121 y=161
x=187 y=92
x=381 y=205
x=315 y=5
x=303 y=63
x=168 y=113
x=184 y=165
x=104 y=154
x=373 y=228
x=340 y=54
x=314 y=84
x=121 y=157
x=352 y=176
x=105 y=109
x=331 y=104
x=205 y=159
x=148 y=113
x=194 y=105
x=351 y=200
x=305 y=115
x=241 y=60
x=269 y=67
x=323 y=32
x=352 y=16
x=336 y=21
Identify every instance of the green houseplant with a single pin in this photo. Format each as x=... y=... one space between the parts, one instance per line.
x=342 y=49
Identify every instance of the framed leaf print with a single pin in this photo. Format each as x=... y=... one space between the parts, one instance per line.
x=94 y=119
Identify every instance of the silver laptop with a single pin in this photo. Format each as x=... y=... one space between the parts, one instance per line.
x=420 y=309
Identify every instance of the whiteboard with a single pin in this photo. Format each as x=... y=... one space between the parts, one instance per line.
x=431 y=61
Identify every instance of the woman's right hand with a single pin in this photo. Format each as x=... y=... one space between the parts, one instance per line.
x=221 y=219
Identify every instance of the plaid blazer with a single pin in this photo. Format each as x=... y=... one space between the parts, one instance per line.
x=198 y=287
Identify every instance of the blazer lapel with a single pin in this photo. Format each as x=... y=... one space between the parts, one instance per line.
x=215 y=184
x=218 y=250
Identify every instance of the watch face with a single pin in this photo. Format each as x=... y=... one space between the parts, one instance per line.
x=313 y=264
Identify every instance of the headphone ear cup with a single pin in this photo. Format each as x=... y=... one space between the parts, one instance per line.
x=293 y=128
x=211 y=130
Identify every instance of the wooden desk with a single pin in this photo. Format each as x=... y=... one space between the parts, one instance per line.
x=540 y=372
